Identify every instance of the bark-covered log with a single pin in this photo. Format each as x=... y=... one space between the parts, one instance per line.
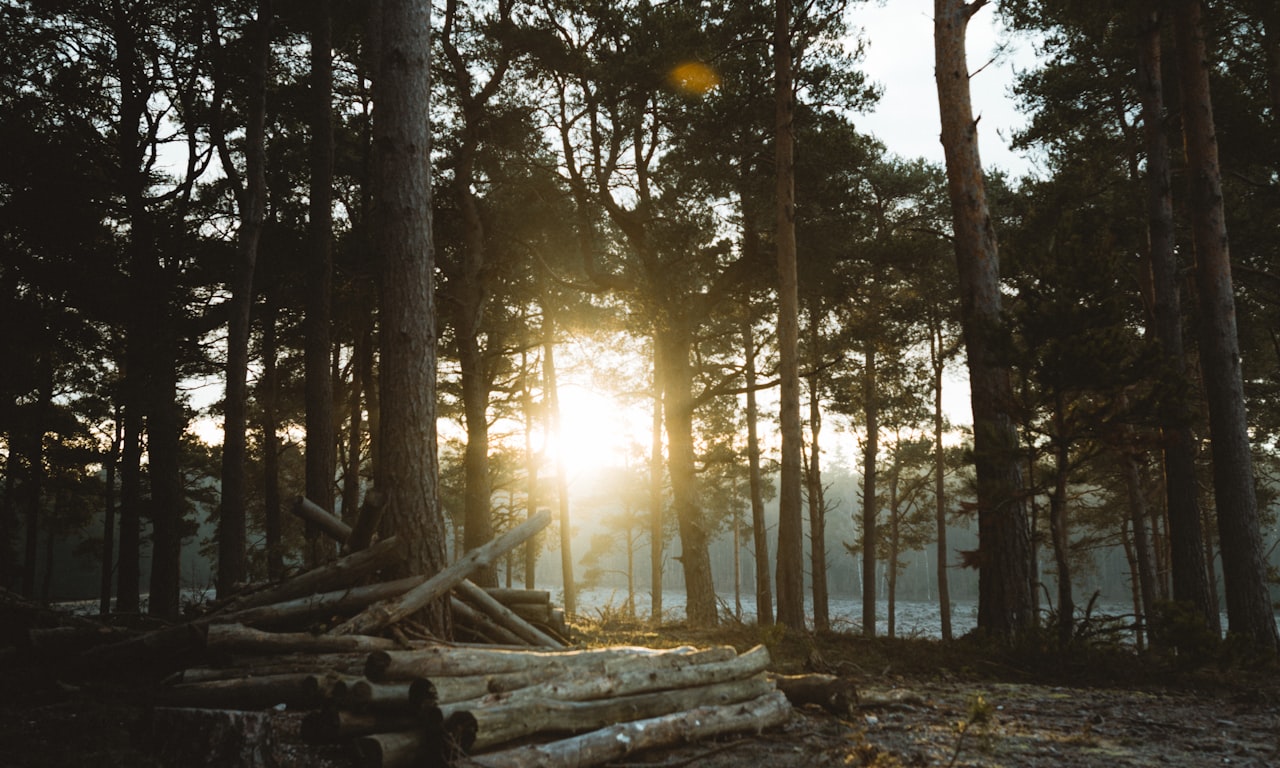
x=613 y=742
x=482 y=625
x=351 y=664
x=155 y=648
x=487 y=604
x=214 y=738
x=342 y=573
x=367 y=696
x=483 y=727
x=61 y=641
x=532 y=612
x=382 y=614
x=330 y=524
x=448 y=690
x=316 y=607
x=834 y=694
x=514 y=597
x=237 y=638
x=331 y=725
x=640 y=675
x=435 y=661
x=296 y=690
x=423 y=745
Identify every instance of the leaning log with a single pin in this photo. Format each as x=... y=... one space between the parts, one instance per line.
x=513 y=597
x=439 y=660
x=311 y=608
x=481 y=625
x=340 y=574
x=326 y=521
x=484 y=727
x=237 y=638
x=380 y=615
x=606 y=744
x=487 y=604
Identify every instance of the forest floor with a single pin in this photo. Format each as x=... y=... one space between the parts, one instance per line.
x=921 y=703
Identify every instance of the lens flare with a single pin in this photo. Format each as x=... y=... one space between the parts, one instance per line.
x=694 y=78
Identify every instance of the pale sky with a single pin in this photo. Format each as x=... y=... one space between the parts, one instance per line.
x=899 y=57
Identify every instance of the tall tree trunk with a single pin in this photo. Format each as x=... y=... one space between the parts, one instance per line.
x=938 y=360
x=268 y=386
x=33 y=475
x=129 y=553
x=817 y=504
x=251 y=199
x=895 y=531
x=562 y=478
x=111 y=467
x=759 y=532
x=9 y=523
x=790 y=523
x=870 y=509
x=321 y=446
x=531 y=469
x=1143 y=560
x=1004 y=588
x=477 y=526
x=164 y=450
x=1058 y=532
x=656 y=524
x=355 y=432
x=1190 y=578
x=1249 y=612
x=408 y=472
x=677 y=399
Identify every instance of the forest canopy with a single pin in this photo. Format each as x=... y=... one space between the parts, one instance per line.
x=400 y=242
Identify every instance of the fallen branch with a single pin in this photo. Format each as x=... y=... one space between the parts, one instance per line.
x=834 y=694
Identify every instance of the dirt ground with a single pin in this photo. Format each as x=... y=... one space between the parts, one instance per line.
x=921 y=703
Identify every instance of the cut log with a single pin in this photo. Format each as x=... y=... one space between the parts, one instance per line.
x=613 y=742
x=326 y=521
x=156 y=648
x=834 y=694
x=484 y=727
x=487 y=604
x=424 y=745
x=380 y=615
x=340 y=574
x=366 y=696
x=351 y=664
x=244 y=693
x=367 y=521
x=449 y=690
x=311 y=608
x=531 y=612
x=439 y=660
x=642 y=676
x=237 y=638
x=331 y=725
x=482 y=625
x=63 y=641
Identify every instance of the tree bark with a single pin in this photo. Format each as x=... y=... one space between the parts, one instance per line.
x=1190 y=579
x=1249 y=612
x=251 y=200
x=616 y=741
x=938 y=360
x=110 y=470
x=870 y=506
x=321 y=442
x=817 y=504
x=407 y=472
x=1058 y=522
x=1004 y=586
x=759 y=531
x=790 y=581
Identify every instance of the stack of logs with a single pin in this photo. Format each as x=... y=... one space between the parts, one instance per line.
x=367 y=677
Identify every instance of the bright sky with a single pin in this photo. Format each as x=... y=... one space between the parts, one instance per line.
x=900 y=58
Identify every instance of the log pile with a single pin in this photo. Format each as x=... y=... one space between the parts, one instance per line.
x=336 y=653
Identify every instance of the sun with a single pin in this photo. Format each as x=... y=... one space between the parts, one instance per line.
x=596 y=432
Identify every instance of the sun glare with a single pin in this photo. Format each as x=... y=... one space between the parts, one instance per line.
x=596 y=432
